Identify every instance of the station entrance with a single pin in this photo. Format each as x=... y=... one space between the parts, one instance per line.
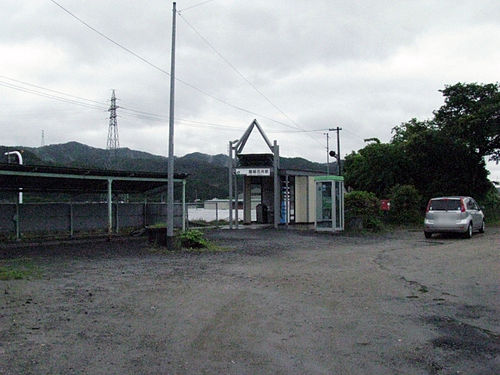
x=280 y=196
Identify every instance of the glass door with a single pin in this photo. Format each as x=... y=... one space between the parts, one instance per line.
x=324 y=207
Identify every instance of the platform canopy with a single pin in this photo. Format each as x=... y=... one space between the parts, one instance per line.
x=37 y=178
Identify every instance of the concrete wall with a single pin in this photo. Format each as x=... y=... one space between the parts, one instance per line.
x=221 y=204
x=60 y=217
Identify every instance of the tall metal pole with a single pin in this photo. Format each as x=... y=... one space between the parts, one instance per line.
x=277 y=184
x=230 y=168
x=327 y=154
x=236 y=200
x=338 y=151
x=337 y=129
x=170 y=184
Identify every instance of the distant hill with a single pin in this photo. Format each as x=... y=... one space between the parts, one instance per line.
x=207 y=173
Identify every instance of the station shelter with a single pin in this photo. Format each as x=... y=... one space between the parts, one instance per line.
x=284 y=196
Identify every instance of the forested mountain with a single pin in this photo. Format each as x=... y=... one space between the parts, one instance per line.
x=207 y=173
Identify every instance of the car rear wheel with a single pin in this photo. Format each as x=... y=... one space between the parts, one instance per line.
x=468 y=234
x=428 y=234
x=483 y=227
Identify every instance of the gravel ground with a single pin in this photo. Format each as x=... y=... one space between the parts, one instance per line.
x=276 y=302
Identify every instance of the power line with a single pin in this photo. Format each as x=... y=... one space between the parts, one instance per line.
x=164 y=71
x=154 y=116
x=51 y=90
x=236 y=70
x=195 y=6
x=127 y=111
x=109 y=39
x=298 y=131
x=50 y=96
x=348 y=131
x=296 y=126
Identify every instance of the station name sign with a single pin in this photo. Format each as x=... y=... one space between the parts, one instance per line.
x=253 y=171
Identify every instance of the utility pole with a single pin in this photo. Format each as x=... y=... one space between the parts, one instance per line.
x=170 y=183
x=337 y=129
x=327 y=154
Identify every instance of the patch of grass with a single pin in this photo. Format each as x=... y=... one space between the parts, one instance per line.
x=158 y=225
x=191 y=241
x=211 y=248
x=204 y=223
x=18 y=269
x=11 y=274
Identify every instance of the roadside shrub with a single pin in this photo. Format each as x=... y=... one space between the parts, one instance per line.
x=362 y=211
x=490 y=205
x=405 y=204
x=193 y=239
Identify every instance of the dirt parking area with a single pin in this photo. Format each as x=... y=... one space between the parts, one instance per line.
x=277 y=302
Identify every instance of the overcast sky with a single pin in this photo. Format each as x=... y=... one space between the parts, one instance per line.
x=294 y=65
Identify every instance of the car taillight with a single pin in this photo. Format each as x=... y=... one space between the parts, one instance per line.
x=428 y=207
x=462 y=205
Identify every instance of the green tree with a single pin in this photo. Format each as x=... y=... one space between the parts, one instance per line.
x=438 y=164
x=423 y=154
x=471 y=115
x=376 y=168
x=408 y=130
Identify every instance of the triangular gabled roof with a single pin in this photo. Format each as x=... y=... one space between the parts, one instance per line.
x=240 y=145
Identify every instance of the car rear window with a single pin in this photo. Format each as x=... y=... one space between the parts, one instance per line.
x=445 y=204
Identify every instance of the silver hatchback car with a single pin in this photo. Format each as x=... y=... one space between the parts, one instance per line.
x=453 y=214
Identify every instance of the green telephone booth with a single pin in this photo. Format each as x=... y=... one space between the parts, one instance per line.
x=329 y=203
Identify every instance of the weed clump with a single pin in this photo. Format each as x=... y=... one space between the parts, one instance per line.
x=193 y=239
x=18 y=269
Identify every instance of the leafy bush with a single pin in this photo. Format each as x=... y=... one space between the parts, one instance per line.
x=405 y=204
x=491 y=206
x=362 y=209
x=193 y=239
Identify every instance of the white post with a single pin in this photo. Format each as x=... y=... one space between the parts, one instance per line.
x=20 y=158
x=110 y=209
x=183 y=205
